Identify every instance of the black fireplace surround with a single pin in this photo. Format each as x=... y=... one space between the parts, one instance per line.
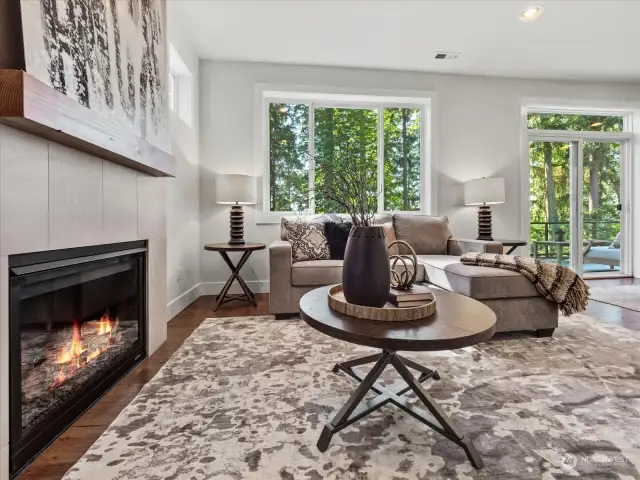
x=77 y=324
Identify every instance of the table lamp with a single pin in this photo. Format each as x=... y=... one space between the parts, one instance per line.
x=235 y=190
x=484 y=192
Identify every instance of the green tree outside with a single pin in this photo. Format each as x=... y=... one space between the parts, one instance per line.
x=341 y=134
x=550 y=180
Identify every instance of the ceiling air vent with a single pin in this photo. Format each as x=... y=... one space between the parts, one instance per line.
x=447 y=55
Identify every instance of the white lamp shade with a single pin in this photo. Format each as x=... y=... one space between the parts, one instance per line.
x=484 y=191
x=235 y=189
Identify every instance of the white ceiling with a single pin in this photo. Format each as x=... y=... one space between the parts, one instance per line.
x=590 y=40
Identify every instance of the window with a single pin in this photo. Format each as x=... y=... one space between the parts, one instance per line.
x=402 y=159
x=344 y=135
x=575 y=122
x=288 y=146
x=386 y=141
x=173 y=92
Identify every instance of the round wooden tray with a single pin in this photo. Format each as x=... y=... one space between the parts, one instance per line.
x=388 y=313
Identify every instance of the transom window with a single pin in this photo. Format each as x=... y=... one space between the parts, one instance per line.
x=387 y=139
x=575 y=122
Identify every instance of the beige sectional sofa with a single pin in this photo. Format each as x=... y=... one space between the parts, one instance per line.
x=513 y=298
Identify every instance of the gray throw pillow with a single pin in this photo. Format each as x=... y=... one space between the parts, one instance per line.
x=426 y=234
x=308 y=241
x=390 y=237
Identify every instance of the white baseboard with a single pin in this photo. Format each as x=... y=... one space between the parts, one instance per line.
x=256 y=286
x=175 y=306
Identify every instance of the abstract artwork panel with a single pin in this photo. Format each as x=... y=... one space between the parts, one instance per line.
x=108 y=55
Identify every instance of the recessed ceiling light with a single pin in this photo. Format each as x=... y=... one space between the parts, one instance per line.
x=596 y=124
x=284 y=109
x=531 y=13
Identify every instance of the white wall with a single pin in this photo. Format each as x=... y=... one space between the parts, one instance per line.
x=183 y=202
x=478 y=134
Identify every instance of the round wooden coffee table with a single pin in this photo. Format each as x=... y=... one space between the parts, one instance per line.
x=459 y=322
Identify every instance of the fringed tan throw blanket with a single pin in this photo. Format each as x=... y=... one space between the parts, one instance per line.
x=554 y=282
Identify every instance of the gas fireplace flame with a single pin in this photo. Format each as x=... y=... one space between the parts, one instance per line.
x=104 y=326
x=74 y=349
x=76 y=354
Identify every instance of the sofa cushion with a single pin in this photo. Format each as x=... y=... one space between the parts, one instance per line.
x=381 y=218
x=307 y=241
x=390 y=237
x=337 y=235
x=322 y=219
x=426 y=234
x=316 y=272
x=481 y=283
x=328 y=272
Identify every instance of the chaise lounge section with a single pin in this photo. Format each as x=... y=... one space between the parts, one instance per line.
x=513 y=298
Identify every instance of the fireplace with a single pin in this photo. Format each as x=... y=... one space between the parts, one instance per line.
x=77 y=324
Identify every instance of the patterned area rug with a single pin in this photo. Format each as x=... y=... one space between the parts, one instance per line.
x=246 y=398
x=625 y=296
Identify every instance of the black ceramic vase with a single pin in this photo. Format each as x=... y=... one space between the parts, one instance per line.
x=365 y=270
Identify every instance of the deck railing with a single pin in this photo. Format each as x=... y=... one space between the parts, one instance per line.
x=593 y=230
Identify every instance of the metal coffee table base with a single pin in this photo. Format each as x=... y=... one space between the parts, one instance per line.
x=352 y=411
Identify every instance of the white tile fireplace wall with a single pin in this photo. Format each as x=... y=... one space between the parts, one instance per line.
x=53 y=197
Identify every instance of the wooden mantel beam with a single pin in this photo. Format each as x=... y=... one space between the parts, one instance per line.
x=28 y=104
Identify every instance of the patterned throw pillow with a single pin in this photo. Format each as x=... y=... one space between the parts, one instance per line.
x=308 y=241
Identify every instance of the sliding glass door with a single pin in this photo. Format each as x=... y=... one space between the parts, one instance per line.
x=602 y=201
x=576 y=204
x=552 y=164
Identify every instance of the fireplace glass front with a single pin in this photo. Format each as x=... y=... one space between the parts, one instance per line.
x=76 y=326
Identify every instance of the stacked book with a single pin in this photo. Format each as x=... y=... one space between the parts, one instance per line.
x=414 y=297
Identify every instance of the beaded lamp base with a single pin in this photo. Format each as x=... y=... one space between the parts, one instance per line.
x=236 y=222
x=484 y=223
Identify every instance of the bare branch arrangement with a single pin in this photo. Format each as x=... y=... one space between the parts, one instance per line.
x=345 y=182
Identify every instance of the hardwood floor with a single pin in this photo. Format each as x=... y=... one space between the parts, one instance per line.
x=71 y=445
x=611 y=313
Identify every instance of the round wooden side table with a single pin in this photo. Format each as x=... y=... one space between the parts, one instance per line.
x=459 y=322
x=247 y=249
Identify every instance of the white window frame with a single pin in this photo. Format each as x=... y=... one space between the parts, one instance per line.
x=626 y=141
x=426 y=102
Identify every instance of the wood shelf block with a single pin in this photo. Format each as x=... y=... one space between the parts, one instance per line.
x=29 y=105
